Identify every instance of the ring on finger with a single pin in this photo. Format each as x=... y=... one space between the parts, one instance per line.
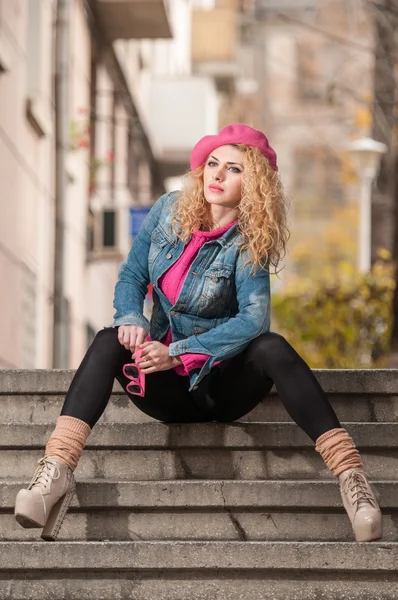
x=145 y=360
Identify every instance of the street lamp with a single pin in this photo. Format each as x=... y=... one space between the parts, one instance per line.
x=366 y=154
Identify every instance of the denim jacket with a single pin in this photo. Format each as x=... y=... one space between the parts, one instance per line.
x=220 y=308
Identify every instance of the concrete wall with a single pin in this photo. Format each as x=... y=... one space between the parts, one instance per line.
x=26 y=199
x=27 y=176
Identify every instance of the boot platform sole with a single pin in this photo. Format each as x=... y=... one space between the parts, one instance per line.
x=27 y=523
x=56 y=517
x=377 y=534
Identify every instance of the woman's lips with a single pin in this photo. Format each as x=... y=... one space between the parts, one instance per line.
x=215 y=188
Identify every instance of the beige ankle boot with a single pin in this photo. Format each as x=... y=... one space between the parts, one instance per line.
x=45 y=502
x=361 y=505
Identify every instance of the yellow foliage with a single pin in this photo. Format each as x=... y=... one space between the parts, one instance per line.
x=384 y=254
x=333 y=315
x=338 y=321
x=334 y=242
x=363 y=117
x=348 y=173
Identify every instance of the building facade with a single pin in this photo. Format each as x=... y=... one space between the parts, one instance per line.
x=99 y=109
x=109 y=166
x=315 y=96
x=141 y=82
x=302 y=72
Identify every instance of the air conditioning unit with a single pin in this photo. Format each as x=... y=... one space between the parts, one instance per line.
x=103 y=234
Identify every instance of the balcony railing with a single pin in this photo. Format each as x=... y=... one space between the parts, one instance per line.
x=127 y=19
x=214 y=45
x=214 y=35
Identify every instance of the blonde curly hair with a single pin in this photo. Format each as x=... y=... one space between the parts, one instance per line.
x=262 y=211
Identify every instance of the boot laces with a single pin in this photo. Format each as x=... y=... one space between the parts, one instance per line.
x=45 y=473
x=357 y=486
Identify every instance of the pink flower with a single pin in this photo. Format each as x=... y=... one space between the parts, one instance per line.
x=110 y=156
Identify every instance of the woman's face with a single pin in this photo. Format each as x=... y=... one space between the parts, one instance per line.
x=222 y=177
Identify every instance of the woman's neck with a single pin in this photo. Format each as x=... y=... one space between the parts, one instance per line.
x=220 y=219
x=206 y=228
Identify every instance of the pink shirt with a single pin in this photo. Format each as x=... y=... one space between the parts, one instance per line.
x=172 y=281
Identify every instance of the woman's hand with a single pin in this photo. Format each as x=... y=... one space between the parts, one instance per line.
x=155 y=357
x=131 y=336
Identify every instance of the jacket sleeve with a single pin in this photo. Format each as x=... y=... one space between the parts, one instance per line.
x=253 y=319
x=133 y=278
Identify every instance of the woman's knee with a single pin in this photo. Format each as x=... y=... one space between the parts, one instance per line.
x=106 y=342
x=270 y=345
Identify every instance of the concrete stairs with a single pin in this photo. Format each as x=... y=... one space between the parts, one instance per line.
x=246 y=510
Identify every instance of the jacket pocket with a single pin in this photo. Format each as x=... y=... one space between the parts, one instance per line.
x=158 y=241
x=217 y=291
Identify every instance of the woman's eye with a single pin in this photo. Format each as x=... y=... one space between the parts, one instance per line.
x=211 y=163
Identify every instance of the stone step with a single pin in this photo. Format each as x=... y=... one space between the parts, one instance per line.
x=159 y=436
x=45 y=408
x=217 y=495
x=37 y=396
x=120 y=525
x=208 y=510
x=200 y=463
x=341 y=381
x=208 y=585
x=118 y=557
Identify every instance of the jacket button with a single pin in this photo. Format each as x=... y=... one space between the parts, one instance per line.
x=169 y=255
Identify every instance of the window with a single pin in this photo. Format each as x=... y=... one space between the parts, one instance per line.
x=103 y=236
x=109 y=228
x=247 y=33
x=309 y=72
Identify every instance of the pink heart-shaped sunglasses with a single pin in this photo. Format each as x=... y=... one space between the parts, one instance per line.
x=136 y=385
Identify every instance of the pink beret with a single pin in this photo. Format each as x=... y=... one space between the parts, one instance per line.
x=232 y=134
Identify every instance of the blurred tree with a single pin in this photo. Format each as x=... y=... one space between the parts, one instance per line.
x=385 y=14
x=385 y=193
x=336 y=241
x=334 y=316
x=338 y=319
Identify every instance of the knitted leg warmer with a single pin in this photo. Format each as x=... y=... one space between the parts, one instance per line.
x=68 y=440
x=338 y=450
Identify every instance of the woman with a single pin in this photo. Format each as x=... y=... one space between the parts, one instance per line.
x=210 y=355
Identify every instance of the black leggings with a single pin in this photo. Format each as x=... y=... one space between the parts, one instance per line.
x=230 y=391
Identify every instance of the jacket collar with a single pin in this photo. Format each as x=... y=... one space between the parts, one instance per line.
x=229 y=237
